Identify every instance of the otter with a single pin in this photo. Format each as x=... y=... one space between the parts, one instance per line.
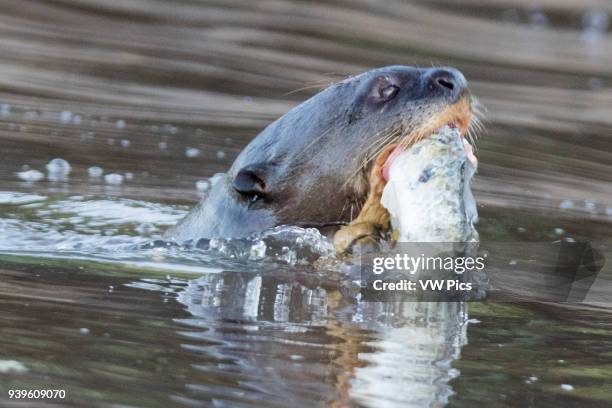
x=322 y=163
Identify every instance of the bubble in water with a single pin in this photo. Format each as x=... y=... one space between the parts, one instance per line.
x=220 y=155
x=595 y=24
x=295 y=244
x=192 y=152
x=146 y=228
x=120 y=124
x=65 y=116
x=58 y=168
x=288 y=256
x=566 y=204
x=95 y=171
x=5 y=109
x=125 y=143
x=202 y=185
x=216 y=178
x=537 y=18
x=171 y=129
x=129 y=176
x=559 y=231
x=258 y=250
x=113 y=179
x=76 y=119
x=12 y=366
x=567 y=387
x=590 y=206
x=31 y=175
x=163 y=145
x=84 y=330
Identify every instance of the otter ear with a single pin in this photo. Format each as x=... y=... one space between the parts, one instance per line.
x=251 y=180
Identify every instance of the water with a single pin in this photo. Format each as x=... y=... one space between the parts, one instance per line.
x=93 y=304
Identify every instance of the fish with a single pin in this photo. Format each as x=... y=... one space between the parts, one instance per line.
x=428 y=191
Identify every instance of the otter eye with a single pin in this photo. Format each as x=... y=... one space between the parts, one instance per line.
x=388 y=92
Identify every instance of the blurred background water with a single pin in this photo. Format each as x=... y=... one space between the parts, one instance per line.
x=144 y=100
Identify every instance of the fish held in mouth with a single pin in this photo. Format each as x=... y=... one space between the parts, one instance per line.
x=419 y=194
x=428 y=193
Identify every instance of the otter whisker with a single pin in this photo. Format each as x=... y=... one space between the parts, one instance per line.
x=375 y=149
x=379 y=145
x=321 y=84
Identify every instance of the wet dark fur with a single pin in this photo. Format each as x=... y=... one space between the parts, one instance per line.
x=311 y=166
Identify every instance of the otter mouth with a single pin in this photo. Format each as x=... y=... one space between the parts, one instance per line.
x=396 y=149
x=456 y=116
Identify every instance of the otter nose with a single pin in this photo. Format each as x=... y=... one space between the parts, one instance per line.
x=448 y=81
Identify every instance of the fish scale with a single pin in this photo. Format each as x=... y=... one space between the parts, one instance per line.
x=428 y=192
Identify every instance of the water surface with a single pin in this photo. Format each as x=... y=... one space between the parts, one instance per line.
x=166 y=95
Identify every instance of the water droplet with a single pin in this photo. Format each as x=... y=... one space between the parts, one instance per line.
x=5 y=109
x=120 y=124
x=65 y=116
x=95 y=171
x=595 y=24
x=202 y=185
x=589 y=206
x=113 y=179
x=537 y=18
x=58 y=169
x=12 y=366
x=31 y=175
x=192 y=152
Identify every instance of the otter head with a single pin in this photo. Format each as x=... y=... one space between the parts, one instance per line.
x=315 y=165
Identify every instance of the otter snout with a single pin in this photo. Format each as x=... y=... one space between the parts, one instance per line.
x=447 y=82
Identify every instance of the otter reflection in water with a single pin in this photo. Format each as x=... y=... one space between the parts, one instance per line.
x=301 y=342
